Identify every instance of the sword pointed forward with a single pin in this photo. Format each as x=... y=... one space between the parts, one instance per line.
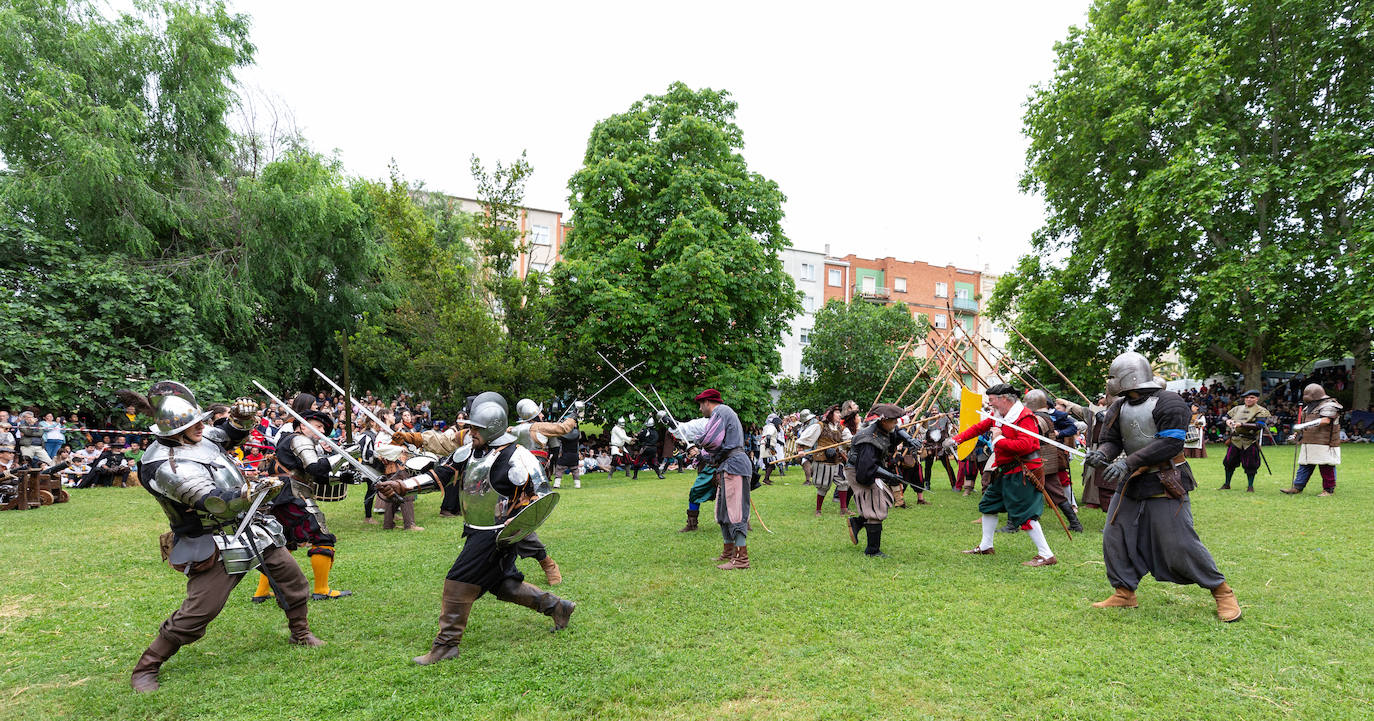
x=1019 y=429
x=326 y=440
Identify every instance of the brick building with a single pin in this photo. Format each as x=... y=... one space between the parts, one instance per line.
x=944 y=294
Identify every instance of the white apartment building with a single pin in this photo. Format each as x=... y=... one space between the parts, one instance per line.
x=805 y=267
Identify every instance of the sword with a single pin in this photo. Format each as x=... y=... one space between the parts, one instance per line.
x=1056 y=444
x=598 y=391
x=326 y=440
x=248 y=518
x=356 y=404
x=627 y=380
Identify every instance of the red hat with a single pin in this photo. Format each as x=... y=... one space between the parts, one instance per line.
x=710 y=394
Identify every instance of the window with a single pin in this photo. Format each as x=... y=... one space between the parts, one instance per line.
x=899 y=285
x=808 y=271
x=940 y=321
x=539 y=235
x=809 y=303
x=942 y=290
x=870 y=284
x=961 y=293
x=835 y=279
x=806 y=337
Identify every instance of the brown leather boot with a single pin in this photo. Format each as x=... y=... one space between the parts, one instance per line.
x=691 y=522
x=453 y=620
x=530 y=596
x=300 y=629
x=1120 y=598
x=1228 y=609
x=727 y=553
x=740 y=560
x=551 y=572
x=144 y=677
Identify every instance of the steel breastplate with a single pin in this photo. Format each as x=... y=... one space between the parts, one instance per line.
x=1137 y=424
x=484 y=508
x=523 y=436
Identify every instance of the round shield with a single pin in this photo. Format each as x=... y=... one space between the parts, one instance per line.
x=528 y=519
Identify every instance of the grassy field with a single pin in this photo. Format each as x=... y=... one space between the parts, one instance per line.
x=813 y=631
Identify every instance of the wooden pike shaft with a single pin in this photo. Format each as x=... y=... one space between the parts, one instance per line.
x=919 y=372
x=845 y=443
x=900 y=356
x=1063 y=377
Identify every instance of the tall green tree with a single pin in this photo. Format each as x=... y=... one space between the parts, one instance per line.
x=519 y=302
x=436 y=338
x=673 y=260
x=852 y=349
x=1198 y=159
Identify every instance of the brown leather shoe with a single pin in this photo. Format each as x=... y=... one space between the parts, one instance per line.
x=739 y=562
x=981 y=551
x=299 y=626
x=727 y=552
x=1228 y=609
x=1041 y=561
x=1290 y=490
x=1120 y=598
x=1325 y=494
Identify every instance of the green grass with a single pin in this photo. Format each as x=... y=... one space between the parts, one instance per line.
x=813 y=631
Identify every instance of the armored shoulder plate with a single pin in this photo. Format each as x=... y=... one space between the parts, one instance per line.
x=216 y=435
x=304 y=449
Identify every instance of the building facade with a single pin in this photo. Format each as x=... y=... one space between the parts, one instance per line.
x=543 y=230
x=805 y=267
x=947 y=295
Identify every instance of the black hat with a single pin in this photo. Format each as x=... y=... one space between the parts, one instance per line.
x=1251 y=392
x=1004 y=389
x=324 y=418
x=887 y=411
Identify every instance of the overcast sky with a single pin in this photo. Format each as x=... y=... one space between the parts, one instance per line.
x=893 y=128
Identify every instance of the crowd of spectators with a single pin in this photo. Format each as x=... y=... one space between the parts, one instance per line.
x=1283 y=399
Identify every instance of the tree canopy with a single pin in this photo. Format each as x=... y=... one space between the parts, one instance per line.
x=1206 y=166
x=673 y=260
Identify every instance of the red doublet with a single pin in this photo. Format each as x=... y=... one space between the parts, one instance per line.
x=1013 y=446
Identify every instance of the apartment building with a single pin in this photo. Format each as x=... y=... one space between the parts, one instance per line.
x=544 y=232
x=805 y=268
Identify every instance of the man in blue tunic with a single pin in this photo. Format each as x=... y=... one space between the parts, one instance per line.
x=723 y=439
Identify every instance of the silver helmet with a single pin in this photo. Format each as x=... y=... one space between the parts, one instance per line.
x=174 y=409
x=620 y=421
x=1130 y=371
x=649 y=422
x=526 y=409
x=490 y=397
x=1313 y=392
x=1035 y=400
x=490 y=422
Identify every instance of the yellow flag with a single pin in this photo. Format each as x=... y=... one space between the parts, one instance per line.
x=969 y=405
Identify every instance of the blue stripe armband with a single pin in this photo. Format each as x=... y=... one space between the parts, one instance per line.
x=1177 y=434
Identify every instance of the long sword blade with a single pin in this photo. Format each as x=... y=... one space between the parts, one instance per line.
x=1019 y=429
x=327 y=441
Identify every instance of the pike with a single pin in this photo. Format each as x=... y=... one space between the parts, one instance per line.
x=326 y=440
x=1048 y=363
x=900 y=356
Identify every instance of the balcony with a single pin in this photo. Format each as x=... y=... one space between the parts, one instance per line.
x=878 y=294
x=966 y=304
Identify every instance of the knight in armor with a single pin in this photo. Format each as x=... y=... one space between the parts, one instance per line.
x=1150 y=520
x=207 y=496
x=647 y=442
x=1054 y=462
x=771 y=448
x=724 y=440
x=499 y=479
x=830 y=458
x=1016 y=482
x=807 y=438
x=619 y=439
x=1246 y=423
x=1320 y=443
x=569 y=458
x=869 y=479
x=305 y=466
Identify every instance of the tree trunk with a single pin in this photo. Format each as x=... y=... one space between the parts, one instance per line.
x=1254 y=364
x=1361 y=371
